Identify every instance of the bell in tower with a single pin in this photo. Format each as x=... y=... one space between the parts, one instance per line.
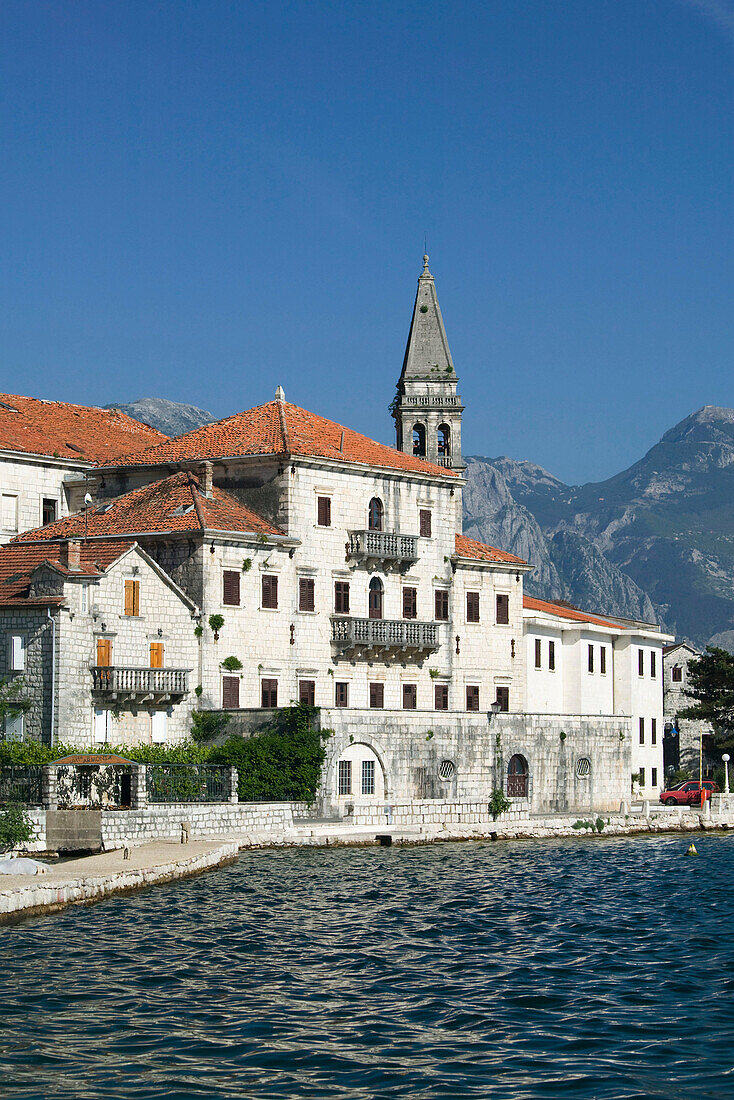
x=427 y=409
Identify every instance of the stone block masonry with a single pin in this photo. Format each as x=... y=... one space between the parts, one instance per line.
x=120 y=827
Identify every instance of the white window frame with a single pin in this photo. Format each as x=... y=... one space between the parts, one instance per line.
x=10 y=497
x=14 y=727
x=158 y=726
x=16 y=653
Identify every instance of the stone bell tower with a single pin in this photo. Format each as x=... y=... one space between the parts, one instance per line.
x=427 y=409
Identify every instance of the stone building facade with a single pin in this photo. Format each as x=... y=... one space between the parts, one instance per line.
x=686 y=736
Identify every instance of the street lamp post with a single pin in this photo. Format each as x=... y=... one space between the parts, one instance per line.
x=725 y=758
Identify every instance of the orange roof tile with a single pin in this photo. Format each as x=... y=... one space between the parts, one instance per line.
x=18 y=561
x=470 y=548
x=278 y=428
x=79 y=433
x=564 y=612
x=172 y=504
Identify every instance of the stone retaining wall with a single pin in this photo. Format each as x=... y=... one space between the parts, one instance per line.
x=120 y=827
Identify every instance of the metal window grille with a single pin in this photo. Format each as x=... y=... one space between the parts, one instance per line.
x=187 y=782
x=368 y=777
x=345 y=777
x=583 y=767
x=21 y=783
x=447 y=769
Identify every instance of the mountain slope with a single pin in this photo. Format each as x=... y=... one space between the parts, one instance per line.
x=171 y=417
x=661 y=531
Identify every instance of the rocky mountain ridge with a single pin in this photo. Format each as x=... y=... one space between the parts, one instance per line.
x=170 y=417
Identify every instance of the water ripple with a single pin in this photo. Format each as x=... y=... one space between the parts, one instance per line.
x=583 y=969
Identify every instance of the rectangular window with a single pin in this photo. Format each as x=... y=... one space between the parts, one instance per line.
x=269 y=693
x=84 y=597
x=410 y=696
x=104 y=652
x=472 y=697
x=640 y=662
x=410 y=603
x=425 y=523
x=156 y=654
x=307 y=692
x=341 y=694
x=503 y=609
x=654 y=732
x=368 y=777
x=306 y=594
x=676 y=674
x=230 y=692
x=270 y=591
x=538 y=657
x=16 y=655
x=231 y=588
x=158 y=726
x=323 y=510
x=591 y=658
x=503 y=698
x=472 y=607
x=345 y=777
x=48 y=511
x=653 y=663
x=341 y=597
x=132 y=598
x=9 y=512
x=551 y=656
x=653 y=777
x=602 y=659
x=642 y=731
x=642 y=777
x=377 y=696
x=441 y=696
x=441 y=605
x=13 y=727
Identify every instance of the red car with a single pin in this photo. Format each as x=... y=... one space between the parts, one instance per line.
x=688 y=793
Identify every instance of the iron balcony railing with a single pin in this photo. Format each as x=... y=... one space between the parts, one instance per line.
x=187 y=782
x=380 y=635
x=120 y=680
x=21 y=783
x=382 y=546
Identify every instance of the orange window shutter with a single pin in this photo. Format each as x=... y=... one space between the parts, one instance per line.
x=136 y=597
x=156 y=654
x=129 y=598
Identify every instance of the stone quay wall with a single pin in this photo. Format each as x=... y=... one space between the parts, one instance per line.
x=163 y=822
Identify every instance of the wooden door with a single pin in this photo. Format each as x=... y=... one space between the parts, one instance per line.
x=156 y=654
x=104 y=652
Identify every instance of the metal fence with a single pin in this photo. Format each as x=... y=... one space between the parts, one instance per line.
x=187 y=782
x=21 y=783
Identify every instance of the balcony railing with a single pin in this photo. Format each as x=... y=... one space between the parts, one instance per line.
x=115 y=680
x=444 y=460
x=362 y=637
x=428 y=402
x=373 y=547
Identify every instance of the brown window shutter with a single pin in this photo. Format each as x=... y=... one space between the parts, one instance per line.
x=503 y=698
x=341 y=597
x=341 y=694
x=603 y=659
x=306 y=594
x=410 y=603
x=441 y=697
x=377 y=695
x=410 y=696
x=104 y=652
x=538 y=655
x=307 y=692
x=324 y=511
x=270 y=591
x=472 y=698
x=503 y=609
x=441 y=601
x=552 y=656
x=425 y=523
x=230 y=692
x=472 y=607
x=231 y=588
x=156 y=654
x=269 y=693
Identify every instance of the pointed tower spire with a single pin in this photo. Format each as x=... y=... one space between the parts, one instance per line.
x=427 y=409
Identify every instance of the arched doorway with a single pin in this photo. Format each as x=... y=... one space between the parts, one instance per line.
x=419 y=440
x=517 y=777
x=374 y=515
x=375 y=598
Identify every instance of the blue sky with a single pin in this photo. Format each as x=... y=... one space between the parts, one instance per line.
x=202 y=200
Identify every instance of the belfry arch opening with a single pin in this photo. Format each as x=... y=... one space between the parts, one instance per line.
x=444 y=440
x=419 y=440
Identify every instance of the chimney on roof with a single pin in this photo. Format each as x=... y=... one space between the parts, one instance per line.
x=71 y=554
x=206 y=479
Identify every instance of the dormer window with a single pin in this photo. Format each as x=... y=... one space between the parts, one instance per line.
x=375 y=514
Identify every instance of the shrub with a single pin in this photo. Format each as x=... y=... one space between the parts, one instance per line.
x=216 y=622
x=599 y=824
x=232 y=664
x=15 y=827
x=498 y=803
x=207 y=724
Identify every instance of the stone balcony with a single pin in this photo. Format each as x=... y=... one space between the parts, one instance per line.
x=383 y=637
x=139 y=684
x=383 y=549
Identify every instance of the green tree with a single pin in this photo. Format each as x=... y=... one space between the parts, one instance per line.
x=711 y=680
x=15 y=827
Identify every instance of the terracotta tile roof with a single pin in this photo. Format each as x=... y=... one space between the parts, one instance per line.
x=18 y=560
x=470 y=548
x=76 y=432
x=530 y=603
x=173 y=504
x=279 y=428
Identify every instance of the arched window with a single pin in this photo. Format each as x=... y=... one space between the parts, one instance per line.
x=359 y=774
x=419 y=440
x=375 y=598
x=444 y=439
x=517 y=777
x=374 y=515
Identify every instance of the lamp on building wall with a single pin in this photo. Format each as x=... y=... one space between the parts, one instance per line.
x=725 y=759
x=495 y=708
